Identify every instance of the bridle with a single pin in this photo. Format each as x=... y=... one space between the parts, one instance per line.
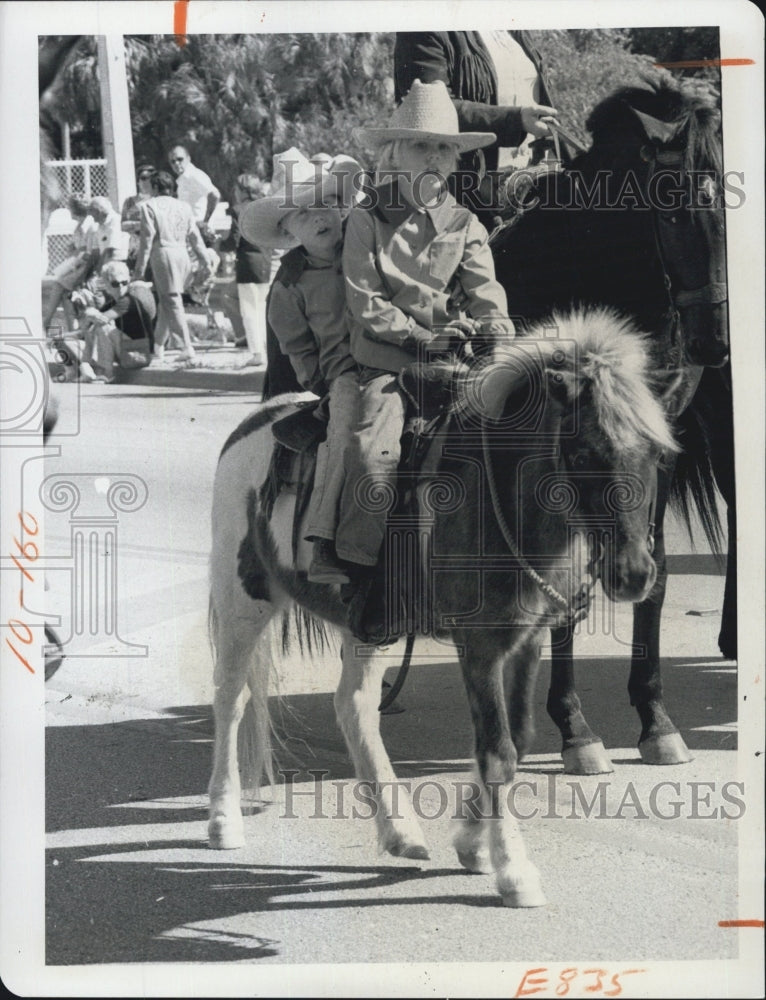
x=570 y=612
x=713 y=293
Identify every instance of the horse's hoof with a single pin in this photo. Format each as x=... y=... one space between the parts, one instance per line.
x=522 y=891
x=404 y=849
x=223 y=835
x=668 y=748
x=477 y=862
x=591 y=758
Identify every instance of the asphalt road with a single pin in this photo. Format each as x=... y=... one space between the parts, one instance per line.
x=129 y=876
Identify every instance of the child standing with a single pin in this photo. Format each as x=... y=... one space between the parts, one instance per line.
x=307 y=311
x=401 y=259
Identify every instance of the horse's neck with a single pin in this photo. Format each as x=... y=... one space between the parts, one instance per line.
x=501 y=480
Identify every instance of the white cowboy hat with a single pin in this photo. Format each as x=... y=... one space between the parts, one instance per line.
x=427 y=112
x=298 y=182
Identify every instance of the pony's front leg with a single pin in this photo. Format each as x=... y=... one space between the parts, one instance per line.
x=356 y=708
x=582 y=751
x=660 y=742
x=483 y=658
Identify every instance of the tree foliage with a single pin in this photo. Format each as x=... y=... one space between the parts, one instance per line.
x=235 y=100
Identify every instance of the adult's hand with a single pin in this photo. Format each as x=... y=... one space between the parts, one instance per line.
x=535 y=118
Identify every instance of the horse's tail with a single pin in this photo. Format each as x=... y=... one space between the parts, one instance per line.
x=693 y=488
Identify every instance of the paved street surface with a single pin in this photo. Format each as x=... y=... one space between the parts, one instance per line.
x=131 y=880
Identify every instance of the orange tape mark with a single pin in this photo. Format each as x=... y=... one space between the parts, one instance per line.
x=740 y=923
x=703 y=63
x=180 y=7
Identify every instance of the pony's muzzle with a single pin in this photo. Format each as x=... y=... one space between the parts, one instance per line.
x=630 y=575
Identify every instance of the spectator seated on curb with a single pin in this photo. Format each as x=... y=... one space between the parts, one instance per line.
x=75 y=269
x=119 y=330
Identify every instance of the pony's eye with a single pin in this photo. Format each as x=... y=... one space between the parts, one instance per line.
x=670 y=218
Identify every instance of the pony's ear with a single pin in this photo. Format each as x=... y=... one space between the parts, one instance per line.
x=656 y=130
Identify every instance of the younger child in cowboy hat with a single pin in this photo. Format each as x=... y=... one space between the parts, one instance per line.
x=402 y=258
x=305 y=213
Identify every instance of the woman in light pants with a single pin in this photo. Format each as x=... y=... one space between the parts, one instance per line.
x=252 y=270
x=166 y=225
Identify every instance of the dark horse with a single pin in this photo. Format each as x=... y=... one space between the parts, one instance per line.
x=636 y=223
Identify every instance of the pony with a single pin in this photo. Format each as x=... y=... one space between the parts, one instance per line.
x=541 y=481
x=636 y=223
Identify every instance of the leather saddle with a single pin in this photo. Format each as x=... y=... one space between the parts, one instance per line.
x=429 y=390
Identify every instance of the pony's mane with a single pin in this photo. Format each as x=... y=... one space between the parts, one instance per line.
x=690 y=105
x=597 y=349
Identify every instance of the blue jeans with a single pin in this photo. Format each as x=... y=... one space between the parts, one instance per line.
x=372 y=460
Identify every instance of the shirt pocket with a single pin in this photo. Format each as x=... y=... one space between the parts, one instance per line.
x=445 y=256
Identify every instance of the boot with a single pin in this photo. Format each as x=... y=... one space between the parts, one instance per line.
x=325 y=566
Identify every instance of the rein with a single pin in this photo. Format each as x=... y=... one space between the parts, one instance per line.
x=572 y=612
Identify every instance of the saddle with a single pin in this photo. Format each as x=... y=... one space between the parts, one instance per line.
x=429 y=390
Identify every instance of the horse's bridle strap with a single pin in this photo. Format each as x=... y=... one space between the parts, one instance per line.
x=574 y=610
x=713 y=294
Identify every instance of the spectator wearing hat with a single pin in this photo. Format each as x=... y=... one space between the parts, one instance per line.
x=304 y=214
x=403 y=257
x=119 y=331
x=166 y=226
x=194 y=185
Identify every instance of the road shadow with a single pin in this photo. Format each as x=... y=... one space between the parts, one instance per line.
x=118 y=909
x=97 y=775
x=121 y=902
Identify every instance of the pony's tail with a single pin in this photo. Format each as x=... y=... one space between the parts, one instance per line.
x=693 y=488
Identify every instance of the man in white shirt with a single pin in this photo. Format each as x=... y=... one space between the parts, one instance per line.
x=194 y=186
x=109 y=240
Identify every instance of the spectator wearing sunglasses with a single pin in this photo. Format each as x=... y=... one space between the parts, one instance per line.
x=131 y=215
x=194 y=185
x=119 y=331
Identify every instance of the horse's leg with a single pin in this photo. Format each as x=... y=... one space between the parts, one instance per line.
x=720 y=429
x=356 y=707
x=484 y=656
x=241 y=659
x=582 y=751
x=471 y=840
x=660 y=742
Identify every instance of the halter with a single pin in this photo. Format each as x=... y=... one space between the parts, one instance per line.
x=571 y=611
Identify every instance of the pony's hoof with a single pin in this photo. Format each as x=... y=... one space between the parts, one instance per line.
x=668 y=748
x=405 y=849
x=477 y=862
x=591 y=758
x=223 y=835
x=522 y=891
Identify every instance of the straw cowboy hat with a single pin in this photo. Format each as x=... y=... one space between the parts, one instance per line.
x=298 y=182
x=427 y=112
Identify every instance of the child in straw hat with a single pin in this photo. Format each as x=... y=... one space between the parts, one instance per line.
x=305 y=213
x=402 y=259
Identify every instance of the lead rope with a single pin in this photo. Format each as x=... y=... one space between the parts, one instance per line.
x=549 y=591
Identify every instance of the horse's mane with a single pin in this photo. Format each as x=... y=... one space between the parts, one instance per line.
x=690 y=106
x=597 y=350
